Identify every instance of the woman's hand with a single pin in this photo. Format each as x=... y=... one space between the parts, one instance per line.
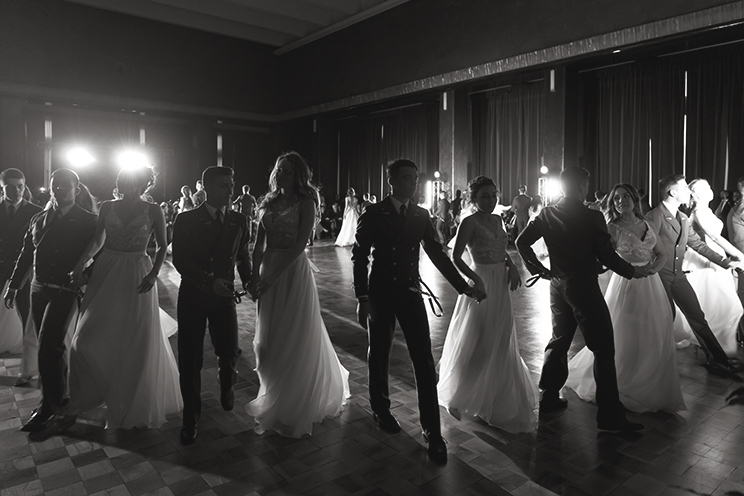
x=480 y=288
x=513 y=277
x=263 y=286
x=76 y=276
x=147 y=282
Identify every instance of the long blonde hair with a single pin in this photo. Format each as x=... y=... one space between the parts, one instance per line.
x=304 y=186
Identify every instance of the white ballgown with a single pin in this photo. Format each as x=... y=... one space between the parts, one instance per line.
x=715 y=288
x=120 y=354
x=302 y=380
x=645 y=352
x=11 y=328
x=481 y=372
x=347 y=235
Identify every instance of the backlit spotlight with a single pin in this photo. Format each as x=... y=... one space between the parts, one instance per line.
x=132 y=159
x=544 y=169
x=80 y=157
x=437 y=175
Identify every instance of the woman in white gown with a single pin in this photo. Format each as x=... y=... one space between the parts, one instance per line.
x=120 y=354
x=481 y=372
x=302 y=380
x=347 y=235
x=645 y=353
x=714 y=286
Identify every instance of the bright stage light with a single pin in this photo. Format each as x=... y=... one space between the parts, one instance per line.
x=437 y=175
x=79 y=157
x=132 y=159
x=553 y=189
x=544 y=170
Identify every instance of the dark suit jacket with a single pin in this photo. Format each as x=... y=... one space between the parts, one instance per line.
x=675 y=235
x=11 y=236
x=735 y=223
x=203 y=251
x=577 y=241
x=53 y=250
x=395 y=249
x=521 y=206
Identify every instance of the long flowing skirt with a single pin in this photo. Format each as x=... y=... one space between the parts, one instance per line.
x=11 y=328
x=120 y=355
x=481 y=372
x=347 y=235
x=645 y=357
x=302 y=380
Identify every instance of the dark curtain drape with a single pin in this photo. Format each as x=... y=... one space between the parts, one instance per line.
x=508 y=137
x=627 y=106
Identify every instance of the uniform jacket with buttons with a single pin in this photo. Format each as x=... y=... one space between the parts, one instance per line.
x=12 y=231
x=204 y=251
x=395 y=249
x=53 y=249
x=674 y=235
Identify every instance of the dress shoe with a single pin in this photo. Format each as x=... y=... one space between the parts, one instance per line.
x=622 y=425
x=387 y=422
x=56 y=425
x=227 y=399
x=188 y=435
x=551 y=403
x=723 y=369
x=437 y=447
x=36 y=422
x=23 y=380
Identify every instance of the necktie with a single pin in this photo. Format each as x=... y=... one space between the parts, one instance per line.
x=218 y=215
x=403 y=213
x=11 y=212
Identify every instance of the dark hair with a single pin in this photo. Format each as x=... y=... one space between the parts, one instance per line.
x=536 y=201
x=609 y=207
x=478 y=183
x=522 y=188
x=68 y=174
x=350 y=192
x=212 y=173
x=140 y=179
x=303 y=176
x=740 y=181
x=573 y=177
x=394 y=166
x=667 y=183
x=12 y=174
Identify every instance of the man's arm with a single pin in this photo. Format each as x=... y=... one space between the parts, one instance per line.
x=25 y=261
x=243 y=258
x=442 y=262
x=604 y=250
x=360 y=254
x=183 y=256
x=524 y=242
x=696 y=243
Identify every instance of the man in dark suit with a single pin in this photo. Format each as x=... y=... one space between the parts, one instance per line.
x=578 y=244
x=521 y=208
x=53 y=244
x=675 y=234
x=207 y=244
x=735 y=224
x=393 y=229
x=15 y=216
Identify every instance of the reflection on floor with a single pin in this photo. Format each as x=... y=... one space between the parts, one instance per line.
x=700 y=452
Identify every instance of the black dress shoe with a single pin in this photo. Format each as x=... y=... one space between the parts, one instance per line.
x=723 y=369
x=36 y=422
x=437 y=447
x=619 y=426
x=188 y=435
x=387 y=422
x=552 y=403
x=56 y=425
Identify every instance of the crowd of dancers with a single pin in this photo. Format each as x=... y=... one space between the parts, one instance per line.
x=117 y=336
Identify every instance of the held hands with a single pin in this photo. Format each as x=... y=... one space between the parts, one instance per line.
x=222 y=287
x=513 y=277
x=641 y=272
x=737 y=264
x=77 y=278
x=475 y=293
x=10 y=298
x=147 y=283
x=363 y=313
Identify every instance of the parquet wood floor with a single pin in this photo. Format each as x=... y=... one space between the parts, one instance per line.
x=698 y=452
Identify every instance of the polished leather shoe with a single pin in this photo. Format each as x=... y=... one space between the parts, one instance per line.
x=23 y=380
x=387 y=422
x=723 y=369
x=437 y=450
x=36 y=421
x=551 y=403
x=188 y=435
x=620 y=426
x=227 y=399
x=56 y=425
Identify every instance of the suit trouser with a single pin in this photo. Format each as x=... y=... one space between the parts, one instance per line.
x=195 y=309
x=30 y=354
x=386 y=305
x=740 y=292
x=680 y=292
x=52 y=311
x=521 y=222
x=579 y=302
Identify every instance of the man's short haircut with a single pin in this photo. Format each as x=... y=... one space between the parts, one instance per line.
x=212 y=173
x=740 y=182
x=246 y=188
x=394 y=167
x=667 y=183
x=522 y=188
x=572 y=177
x=12 y=174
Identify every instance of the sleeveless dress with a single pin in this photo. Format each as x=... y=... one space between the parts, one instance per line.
x=347 y=235
x=302 y=380
x=645 y=352
x=120 y=355
x=715 y=288
x=481 y=372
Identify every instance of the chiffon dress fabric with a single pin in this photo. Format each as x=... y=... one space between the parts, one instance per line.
x=120 y=354
x=301 y=379
x=715 y=288
x=645 y=351
x=481 y=372
x=347 y=235
x=11 y=328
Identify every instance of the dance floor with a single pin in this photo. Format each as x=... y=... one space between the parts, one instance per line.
x=698 y=452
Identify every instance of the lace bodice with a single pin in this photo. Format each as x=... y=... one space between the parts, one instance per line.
x=281 y=230
x=632 y=248
x=131 y=237
x=488 y=246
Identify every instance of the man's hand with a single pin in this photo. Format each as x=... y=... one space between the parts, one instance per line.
x=222 y=287
x=737 y=264
x=474 y=293
x=9 y=298
x=640 y=272
x=513 y=276
x=363 y=313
